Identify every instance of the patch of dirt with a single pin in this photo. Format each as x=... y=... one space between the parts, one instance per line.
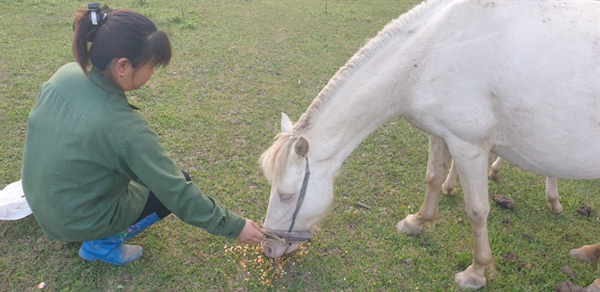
x=585 y=211
x=568 y=286
x=511 y=256
x=333 y=250
x=504 y=202
x=351 y=227
x=568 y=271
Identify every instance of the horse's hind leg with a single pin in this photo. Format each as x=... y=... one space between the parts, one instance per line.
x=551 y=186
x=449 y=185
x=552 y=195
x=437 y=168
x=495 y=169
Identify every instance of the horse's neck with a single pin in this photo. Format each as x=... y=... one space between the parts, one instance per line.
x=365 y=101
x=371 y=89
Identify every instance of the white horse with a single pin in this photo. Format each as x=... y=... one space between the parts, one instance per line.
x=449 y=185
x=519 y=78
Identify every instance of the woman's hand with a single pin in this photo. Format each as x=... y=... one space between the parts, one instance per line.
x=251 y=233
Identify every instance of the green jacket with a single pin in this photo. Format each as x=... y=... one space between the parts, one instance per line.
x=90 y=160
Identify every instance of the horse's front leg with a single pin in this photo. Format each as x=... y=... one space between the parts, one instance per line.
x=437 y=168
x=473 y=173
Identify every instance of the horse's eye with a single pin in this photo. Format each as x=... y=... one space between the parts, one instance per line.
x=285 y=197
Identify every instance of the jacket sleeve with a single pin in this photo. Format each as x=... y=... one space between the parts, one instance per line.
x=144 y=159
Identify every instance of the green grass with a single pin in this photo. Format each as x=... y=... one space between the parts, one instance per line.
x=237 y=65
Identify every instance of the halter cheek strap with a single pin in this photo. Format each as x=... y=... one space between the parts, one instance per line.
x=301 y=195
x=290 y=237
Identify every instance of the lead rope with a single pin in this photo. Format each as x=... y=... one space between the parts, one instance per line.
x=301 y=195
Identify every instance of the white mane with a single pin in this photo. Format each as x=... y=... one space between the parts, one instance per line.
x=274 y=159
x=405 y=24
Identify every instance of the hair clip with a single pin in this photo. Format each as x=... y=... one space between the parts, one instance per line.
x=94 y=10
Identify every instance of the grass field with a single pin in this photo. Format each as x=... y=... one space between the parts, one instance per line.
x=236 y=66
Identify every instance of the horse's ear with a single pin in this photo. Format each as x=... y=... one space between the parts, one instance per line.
x=286 y=123
x=301 y=147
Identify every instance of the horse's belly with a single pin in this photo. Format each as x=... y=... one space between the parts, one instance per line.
x=570 y=168
x=550 y=128
x=567 y=152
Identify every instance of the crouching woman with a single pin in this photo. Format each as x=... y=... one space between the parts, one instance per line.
x=93 y=168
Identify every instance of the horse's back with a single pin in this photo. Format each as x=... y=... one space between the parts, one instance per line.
x=547 y=110
x=530 y=73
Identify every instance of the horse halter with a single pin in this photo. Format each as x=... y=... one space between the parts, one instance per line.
x=289 y=236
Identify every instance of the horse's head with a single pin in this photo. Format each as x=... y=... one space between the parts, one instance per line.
x=301 y=192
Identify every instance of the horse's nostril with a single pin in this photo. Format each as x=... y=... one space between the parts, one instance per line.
x=267 y=249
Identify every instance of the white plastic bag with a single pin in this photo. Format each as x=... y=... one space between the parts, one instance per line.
x=13 y=205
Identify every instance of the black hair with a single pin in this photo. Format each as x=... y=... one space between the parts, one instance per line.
x=118 y=34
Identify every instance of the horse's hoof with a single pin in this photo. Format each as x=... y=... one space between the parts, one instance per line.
x=465 y=279
x=578 y=253
x=451 y=192
x=408 y=228
x=494 y=175
x=556 y=209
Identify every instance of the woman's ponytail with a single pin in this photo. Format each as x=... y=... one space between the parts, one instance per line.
x=85 y=26
x=117 y=34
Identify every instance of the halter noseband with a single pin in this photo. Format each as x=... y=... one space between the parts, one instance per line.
x=289 y=236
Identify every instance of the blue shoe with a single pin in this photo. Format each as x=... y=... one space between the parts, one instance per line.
x=112 y=250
